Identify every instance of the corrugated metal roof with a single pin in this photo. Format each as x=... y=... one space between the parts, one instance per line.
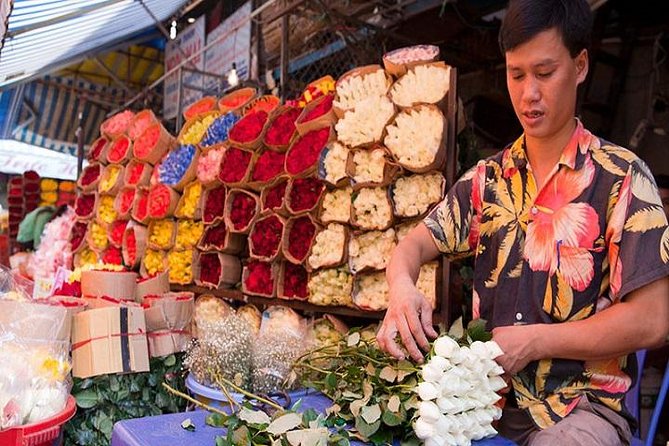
x=44 y=35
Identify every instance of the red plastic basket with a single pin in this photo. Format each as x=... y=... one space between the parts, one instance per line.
x=42 y=433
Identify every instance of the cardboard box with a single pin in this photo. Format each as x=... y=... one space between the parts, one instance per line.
x=115 y=284
x=168 y=323
x=109 y=340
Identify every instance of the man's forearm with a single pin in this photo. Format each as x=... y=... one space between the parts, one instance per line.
x=404 y=264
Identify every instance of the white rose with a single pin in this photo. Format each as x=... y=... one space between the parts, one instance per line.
x=496 y=383
x=429 y=411
x=427 y=391
x=432 y=372
x=440 y=363
x=436 y=440
x=445 y=347
x=446 y=405
x=494 y=350
x=423 y=429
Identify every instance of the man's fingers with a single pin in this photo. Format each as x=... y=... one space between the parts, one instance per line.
x=426 y=319
x=408 y=340
x=386 y=339
x=417 y=331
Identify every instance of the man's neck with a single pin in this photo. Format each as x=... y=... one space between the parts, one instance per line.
x=544 y=153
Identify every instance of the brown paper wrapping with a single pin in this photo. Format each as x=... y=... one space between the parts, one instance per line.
x=248 y=93
x=340 y=260
x=391 y=170
x=400 y=69
x=102 y=156
x=144 y=115
x=229 y=201
x=113 y=190
x=115 y=284
x=280 y=291
x=281 y=210
x=139 y=193
x=329 y=119
x=207 y=199
x=359 y=71
x=168 y=322
x=93 y=186
x=145 y=177
x=290 y=191
x=355 y=219
x=171 y=207
x=109 y=340
x=173 y=236
x=275 y=280
x=440 y=157
x=310 y=170
x=285 y=243
x=165 y=142
x=93 y=302
x=231 y=269
x=153 y=286
x=38 y=320
x=232 y=243
x=278 y=253
x=141 y=236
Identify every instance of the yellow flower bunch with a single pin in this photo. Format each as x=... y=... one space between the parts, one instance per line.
x=110 y=179
x=181 y=266
x=160 y=232
x=189 y=233
x=197 y=130
x=75 y=276
x=190 y=200
x=48 y=185
x=154 y=261
x=87 y=257
x=98 y=235
x=106 y=211
x=54 y=369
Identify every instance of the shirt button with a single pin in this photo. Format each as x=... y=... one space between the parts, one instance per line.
x=519 y=316
x=534 y=210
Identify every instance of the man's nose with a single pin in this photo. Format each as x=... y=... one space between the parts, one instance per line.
x=531 y=90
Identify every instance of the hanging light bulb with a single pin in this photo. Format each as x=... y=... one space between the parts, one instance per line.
x=233 y=78
x=173 y=30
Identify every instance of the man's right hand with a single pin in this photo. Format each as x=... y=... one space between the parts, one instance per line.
x=409 y=314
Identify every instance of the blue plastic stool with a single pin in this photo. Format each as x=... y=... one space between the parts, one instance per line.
x=632 y=402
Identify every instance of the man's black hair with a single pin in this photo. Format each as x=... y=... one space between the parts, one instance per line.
x=525 y=19
x=662 y=181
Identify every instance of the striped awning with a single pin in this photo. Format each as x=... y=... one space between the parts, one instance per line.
x=44 y=35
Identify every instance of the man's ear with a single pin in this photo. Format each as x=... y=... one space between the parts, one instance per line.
x=582 y=62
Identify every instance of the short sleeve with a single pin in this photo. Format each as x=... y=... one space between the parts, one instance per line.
x=638 y=234
x=453 y=222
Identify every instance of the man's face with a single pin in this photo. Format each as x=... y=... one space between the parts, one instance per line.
x=664 y=195
x=542 y=78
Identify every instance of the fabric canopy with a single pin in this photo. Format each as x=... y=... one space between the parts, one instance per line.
x=44 y=35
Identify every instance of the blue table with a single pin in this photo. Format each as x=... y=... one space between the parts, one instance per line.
x=166 y=429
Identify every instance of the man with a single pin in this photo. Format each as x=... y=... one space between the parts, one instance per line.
x=571 y=247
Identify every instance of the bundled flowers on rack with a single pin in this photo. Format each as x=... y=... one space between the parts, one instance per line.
x=336 y=206
x=370 y=291
x=134 y=244
x=403 y=229
x=120 y=150
x=85 y=257
x=299 y=236
x=177 y=165
x=117 y=124
x=427 y=282
x=180 y=264
x=273 y=197
x=208 y=165
x=106 y=211
x=265 y=237
x=365 y=123
x=189 y=203
x=152 y=144
x=124 y=201
x=235 y=165
x=55 y=250
x=236 y=99
x=333 y=163
x=200 y=107
x=329 y=248
x=398 y=61
x=371 y=250
x=219 y=129
x=162 y=234
x=154 y=262
x=248 y=130
x=266 y=103
x=413 y=196
x=423 y=84
x=331 y=286
x=214 y=204
x=293 y=282
x=242 y=209
x=97 y=152
x=304 y=194
x=217 y=270
x=416 y=138
x=116 y=231
x=140 y=207
x=90 y=177
x=282 y=128
x=259 y=278
x=97 y=236
x=194 y=130
x=372 y=209
x=78 y=235
x=110 y=179
x=360 y=84
x=112 y=256
x=140 y=122
x=317 y=109
x=137 y=173
x=162 y=201
x=217 y=237
x=371 y=167
x=304 y=153
x=189 y=233
x=314 y=90
x=268 y=166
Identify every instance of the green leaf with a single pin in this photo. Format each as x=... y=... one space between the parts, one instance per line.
x=390 y=418
x=353 y=339
x=476 y=330
x=331 y=380
x=365 y=429
x=382 y=437
x=371 y=414
x=284 y=423
x=170 y=361
x=241 y=435
x=216 y=420
x=188 y=425
x=254 y=416
x=388 y=374
x=87 y=399
x=308 y=437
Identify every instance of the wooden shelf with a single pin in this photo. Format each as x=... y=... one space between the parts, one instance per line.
x=295 y=304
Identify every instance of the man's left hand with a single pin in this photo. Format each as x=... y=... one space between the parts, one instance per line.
x=518 y=342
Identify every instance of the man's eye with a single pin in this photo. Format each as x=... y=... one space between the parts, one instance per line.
x=544 y=75
x=517 y=77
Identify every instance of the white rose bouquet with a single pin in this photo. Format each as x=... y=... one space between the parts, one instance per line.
x=372 y=209
x=334 y=161
x=423 y=84
x=331 y=287
x=414 y=195
x=329 y=248
x=365 y=123
x=336 y=206
x=370 y=291
x=371 y=250
x=355 y=87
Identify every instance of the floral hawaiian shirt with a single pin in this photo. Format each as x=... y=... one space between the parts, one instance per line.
x=595 y=232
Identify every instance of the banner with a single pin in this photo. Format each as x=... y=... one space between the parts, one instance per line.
x=188 y=42
x=236 y=47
